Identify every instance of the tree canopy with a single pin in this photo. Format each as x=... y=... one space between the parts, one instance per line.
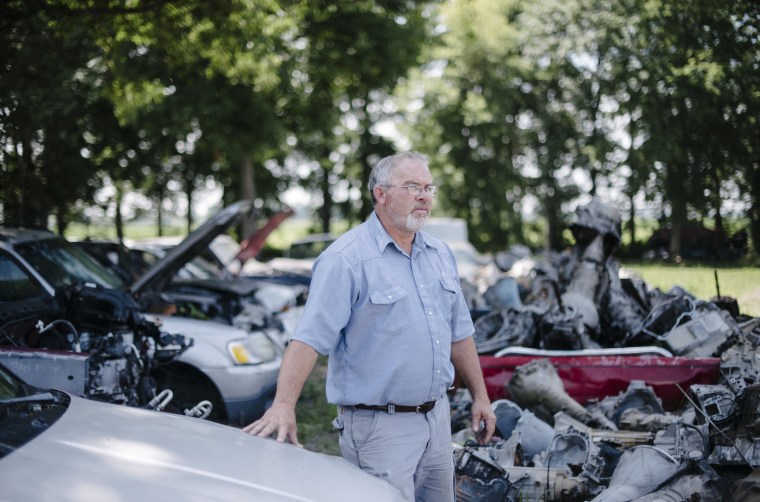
x=524 y=107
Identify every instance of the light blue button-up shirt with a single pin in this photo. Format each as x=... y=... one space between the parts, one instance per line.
x=386 y=319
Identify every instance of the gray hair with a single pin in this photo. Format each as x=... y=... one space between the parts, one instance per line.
x=381 y=173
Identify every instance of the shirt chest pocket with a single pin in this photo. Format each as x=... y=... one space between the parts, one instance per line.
x=449 y=292
x=390 y=309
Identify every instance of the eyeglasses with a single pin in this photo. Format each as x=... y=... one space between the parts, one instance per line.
x=415 y=190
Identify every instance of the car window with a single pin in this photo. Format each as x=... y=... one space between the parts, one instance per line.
x=15 y=283
x=308 y=248
x=62 y=264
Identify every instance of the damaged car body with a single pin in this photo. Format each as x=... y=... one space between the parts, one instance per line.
x=607 y=390
x=198 y=285
x=231 y=370
x=87 y=339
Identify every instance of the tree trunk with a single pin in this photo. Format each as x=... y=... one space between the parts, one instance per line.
x=632 y=221
x=366 y=208
x=119 y=220
x=325 y=211
x=60 y=219
x=754 y=211
x=160 y=213
x=189 y=194
x=248 y=192
x=719 y=227
x=676 y=194
x=553 y=228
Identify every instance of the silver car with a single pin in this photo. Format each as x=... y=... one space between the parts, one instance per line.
x=57 y=446
x=234 y=369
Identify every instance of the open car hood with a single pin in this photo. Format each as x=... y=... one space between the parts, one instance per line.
x=162 y=272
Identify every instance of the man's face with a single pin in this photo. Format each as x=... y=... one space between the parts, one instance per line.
x=406 y=212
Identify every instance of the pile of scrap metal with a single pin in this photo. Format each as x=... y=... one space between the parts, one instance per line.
x=626 y=447
x=606 y=389
x=579 y=299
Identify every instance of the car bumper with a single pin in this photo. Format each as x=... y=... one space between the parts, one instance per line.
x=246 y=391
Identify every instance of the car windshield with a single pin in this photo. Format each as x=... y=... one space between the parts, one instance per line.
x=62 y=264
x=10 y=387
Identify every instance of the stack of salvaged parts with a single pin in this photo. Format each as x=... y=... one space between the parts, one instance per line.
x=621 y=448
x=605 y=389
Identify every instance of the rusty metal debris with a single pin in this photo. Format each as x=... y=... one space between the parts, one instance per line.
x=644 y=444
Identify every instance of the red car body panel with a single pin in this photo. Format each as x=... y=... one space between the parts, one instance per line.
x=589 y=378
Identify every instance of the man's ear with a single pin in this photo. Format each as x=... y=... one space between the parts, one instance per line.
x=379 y=193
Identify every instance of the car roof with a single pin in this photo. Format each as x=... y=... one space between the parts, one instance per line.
x=15 y=235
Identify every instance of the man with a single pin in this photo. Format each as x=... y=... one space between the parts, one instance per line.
x=386 y=305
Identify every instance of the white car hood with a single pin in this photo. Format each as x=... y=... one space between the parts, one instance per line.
x=105 y=452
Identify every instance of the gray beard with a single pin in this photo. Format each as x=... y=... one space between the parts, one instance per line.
x=414 y=224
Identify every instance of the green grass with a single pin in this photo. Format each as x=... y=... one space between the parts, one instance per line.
x=742 y=283
x=314 y=414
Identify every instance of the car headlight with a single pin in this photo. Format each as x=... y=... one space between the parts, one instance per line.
x=256 y=348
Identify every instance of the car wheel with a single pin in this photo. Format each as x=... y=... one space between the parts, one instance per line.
x=189 y=387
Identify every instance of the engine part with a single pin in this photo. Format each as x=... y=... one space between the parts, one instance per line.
x=716 y=402
x=467 y=489
x=704 y=335
x=512 y=326
x=638 y=396
x=637 y=420
x=574 y=452
x=503 y=294
x=747 y=488
x=109 y=348
x=740 y=365
x=623 y=438
x=562 y=328
x=540 y=484
x=538 y=387
x=688 y=487
x=532 y=434
x=581 y=292
x=683 y=441
x=640 y=471
x=475 y=464
x=478 y=477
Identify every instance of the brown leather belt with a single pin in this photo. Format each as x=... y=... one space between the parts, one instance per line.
x=396 y=408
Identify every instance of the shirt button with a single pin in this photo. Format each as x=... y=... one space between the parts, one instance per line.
x=437 y=341
x=390 y=296
x=430 y=313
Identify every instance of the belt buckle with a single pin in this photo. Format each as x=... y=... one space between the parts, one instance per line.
x=417 y=408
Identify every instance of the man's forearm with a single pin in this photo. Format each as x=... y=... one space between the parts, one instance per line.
x=297 y=363
x=464 y=356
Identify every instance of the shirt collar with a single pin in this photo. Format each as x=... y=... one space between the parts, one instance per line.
x=383 y=238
